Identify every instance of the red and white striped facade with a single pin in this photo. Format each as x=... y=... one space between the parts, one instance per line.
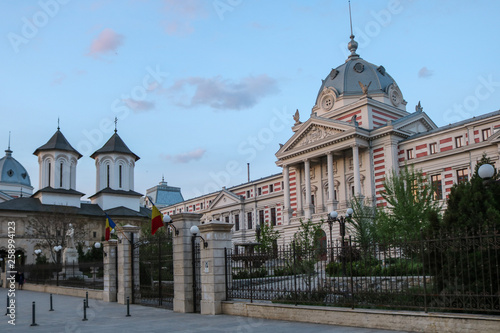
x=349 y=144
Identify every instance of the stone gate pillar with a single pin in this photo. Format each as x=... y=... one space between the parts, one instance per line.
x=110 y=270
x=213 y=283
x=128 y=264
x=183 y=261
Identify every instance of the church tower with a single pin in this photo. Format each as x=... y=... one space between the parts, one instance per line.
x=57 y=161
x=115 y=164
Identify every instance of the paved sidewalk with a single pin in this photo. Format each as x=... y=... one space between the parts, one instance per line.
x=110 y=317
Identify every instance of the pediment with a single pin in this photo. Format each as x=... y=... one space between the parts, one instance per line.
x=415 y=123
x=224 y=199
x=311 y=134
x=415 y=127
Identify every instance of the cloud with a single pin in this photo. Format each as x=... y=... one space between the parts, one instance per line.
x=186 y=157
x=107 y=41
x=424 y=72
x=60 y=77
x=180 y=15
x=139 y=106
x=222 y=94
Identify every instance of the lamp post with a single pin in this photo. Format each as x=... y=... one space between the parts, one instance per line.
x=334 y=217
x=486 y=171
x=57 y=249
x=167 y=221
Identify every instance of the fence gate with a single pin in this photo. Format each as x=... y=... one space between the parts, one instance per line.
x=196 y=274
x=156 y=270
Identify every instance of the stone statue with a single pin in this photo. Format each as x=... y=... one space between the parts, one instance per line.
x=364 y=88
x=70 y=237
x=296 y=117
x=418 y=107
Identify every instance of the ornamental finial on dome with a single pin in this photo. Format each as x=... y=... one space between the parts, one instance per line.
x=353 y=45
x=8 y=152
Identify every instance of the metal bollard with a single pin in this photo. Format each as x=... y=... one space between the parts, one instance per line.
x=84 y=311
x=51 y=309
x=33 y=316
x=128 y=307
x=87 y=298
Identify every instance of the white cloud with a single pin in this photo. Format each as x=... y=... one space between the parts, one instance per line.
x=186 y=157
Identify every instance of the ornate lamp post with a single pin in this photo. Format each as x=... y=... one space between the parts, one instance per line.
x=167 y=221
x=334 y=217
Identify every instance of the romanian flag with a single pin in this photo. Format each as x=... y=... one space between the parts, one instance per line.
x=156 y=220
x=110 y=225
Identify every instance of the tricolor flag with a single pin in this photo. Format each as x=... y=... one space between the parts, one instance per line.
x=156 y=220
x=110 y=225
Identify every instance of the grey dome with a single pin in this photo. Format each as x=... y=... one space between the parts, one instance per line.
x=345 y=78
x=11 y=171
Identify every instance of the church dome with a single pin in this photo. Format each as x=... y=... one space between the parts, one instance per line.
x=357 y=77
x=12 y=172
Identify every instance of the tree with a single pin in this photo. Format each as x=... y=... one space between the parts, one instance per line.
x=362 y=224
x=410 y=206
x=473 y=204
x=267 y=239
x=49 y=229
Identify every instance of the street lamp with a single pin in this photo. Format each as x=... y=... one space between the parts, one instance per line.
x=486 y=171
x=97 y=245
x=167 y=221
x=195 y=231
x=334 y=217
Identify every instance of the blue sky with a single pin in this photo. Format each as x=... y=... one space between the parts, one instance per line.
x=201 y=88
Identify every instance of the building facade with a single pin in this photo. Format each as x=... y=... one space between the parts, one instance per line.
x=359 y=131
x=57 y=202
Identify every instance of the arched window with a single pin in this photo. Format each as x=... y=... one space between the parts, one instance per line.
x=107 y=175
x=49 y=171
x=61 y=175
x=120 y=176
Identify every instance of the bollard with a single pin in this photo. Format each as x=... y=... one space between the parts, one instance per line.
x=33 y=316
x=84 y=311
x=51 y=309
x=7 y=310
x=128 y=307
x=87 y=298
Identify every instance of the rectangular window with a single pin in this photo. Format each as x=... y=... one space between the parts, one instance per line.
x=261 y=218
x=249 y=220
x=432 y=148
x=120 y=176
x=259 y=191
x=486 y=133
x=201 y=205
x=273 y=216
x=271 y=188
x=94 y=233
x=237 y=222
x=458 y=142
x=248 y=194
x=436 y=185
x=462 y=176
x=227 y=219
x=409 y=154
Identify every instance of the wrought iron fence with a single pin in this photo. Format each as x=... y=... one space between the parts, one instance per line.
x=81 y=275
x=445 y=272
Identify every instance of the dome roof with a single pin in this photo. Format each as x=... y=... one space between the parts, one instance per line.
x=11 y=171
x=352 y=77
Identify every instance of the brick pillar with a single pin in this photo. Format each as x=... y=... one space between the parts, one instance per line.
x=126 y=235
x=110 y=263
x=213 y=283
x=183 y=262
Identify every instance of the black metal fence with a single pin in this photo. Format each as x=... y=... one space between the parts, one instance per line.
x=81 y=275
x=446 y=272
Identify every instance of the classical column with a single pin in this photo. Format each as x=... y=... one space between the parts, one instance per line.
x=213 y=270
x=287 y=211
x=357 y=178
x=110 y=270
x=183 y=261
x=330 y=204
x=307 y=177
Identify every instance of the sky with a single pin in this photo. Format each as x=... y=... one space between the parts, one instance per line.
x=200 y=88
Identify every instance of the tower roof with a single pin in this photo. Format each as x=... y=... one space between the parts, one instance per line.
x=11 y=171
x=115 y=144
x=57 y=142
